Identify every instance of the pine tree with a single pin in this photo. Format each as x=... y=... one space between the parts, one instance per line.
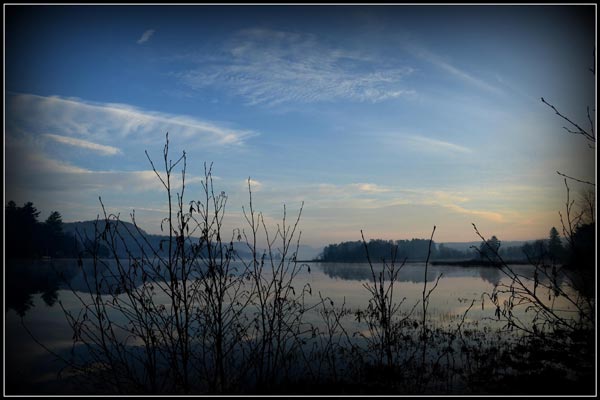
x=555 y=248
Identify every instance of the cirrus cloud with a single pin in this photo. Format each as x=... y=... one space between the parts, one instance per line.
x=428 y=144
x=102 y=149
x=270 y=67
x=77 y=118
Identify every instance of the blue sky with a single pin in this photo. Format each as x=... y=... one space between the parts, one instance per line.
x=389 y=119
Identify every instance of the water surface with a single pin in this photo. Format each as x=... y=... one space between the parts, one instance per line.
x=37 y=291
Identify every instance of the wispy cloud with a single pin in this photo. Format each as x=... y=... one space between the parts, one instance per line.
x=73 y=117
x=370 y=188
x=30 y=168
x=489 y=215
x=145 y=36
x=427 y=144
x=371 y=196
x=102 y=149
x=441 y=63
x=351 y=189
x=33 y=162
x=271 y=67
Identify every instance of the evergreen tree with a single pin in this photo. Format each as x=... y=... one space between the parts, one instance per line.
x=55 y=224
x=28 y=238
x=555 y=247
x=584 y=248
x=51 y=240
x=22 y=230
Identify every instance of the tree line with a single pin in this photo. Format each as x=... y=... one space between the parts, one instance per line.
x=27 y=237
x=354 y=251
x=552 y=250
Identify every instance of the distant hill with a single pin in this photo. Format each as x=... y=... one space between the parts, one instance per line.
x=133 y=239
x=88 y=227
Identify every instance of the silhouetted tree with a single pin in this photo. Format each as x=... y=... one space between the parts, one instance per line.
x=412 y=250
x=555 y=248
x=447 y=253
x=513 y=253
x=51 y=234
x=22 y=230
x=28 y=238
x=583 y=251
x=61 y=244
x=537 y=252
x=55 y=223
x=489 y=249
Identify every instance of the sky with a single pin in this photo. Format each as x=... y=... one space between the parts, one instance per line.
x=387 y=119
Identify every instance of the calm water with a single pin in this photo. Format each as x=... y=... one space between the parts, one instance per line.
x=33 y=291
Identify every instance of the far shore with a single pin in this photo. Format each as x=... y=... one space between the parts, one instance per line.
x=460 y=263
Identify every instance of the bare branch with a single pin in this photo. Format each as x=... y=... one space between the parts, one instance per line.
x=580 y=130
x=575 y=179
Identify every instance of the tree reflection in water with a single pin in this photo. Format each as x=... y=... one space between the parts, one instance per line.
x=30 y=277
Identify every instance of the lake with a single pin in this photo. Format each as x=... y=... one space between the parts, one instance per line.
x=35 y=295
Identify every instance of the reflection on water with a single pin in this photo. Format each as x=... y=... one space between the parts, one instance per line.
x=33 y=289
x=27 y=278
x=24 y=279
x=456 y=290
x=413 y=272
x=56 y=279
x=491 y=275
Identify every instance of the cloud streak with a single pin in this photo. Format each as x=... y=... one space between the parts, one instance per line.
x=145 y=36
x=489 y=215
x=76 y=118
x=29 y=168
x=351 y=188
x=372 y=196
x=428 y=144
x=270 y=67
x=99 y=148
x=444 y=65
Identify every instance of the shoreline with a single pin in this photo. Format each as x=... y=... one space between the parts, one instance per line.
x=461 y=263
